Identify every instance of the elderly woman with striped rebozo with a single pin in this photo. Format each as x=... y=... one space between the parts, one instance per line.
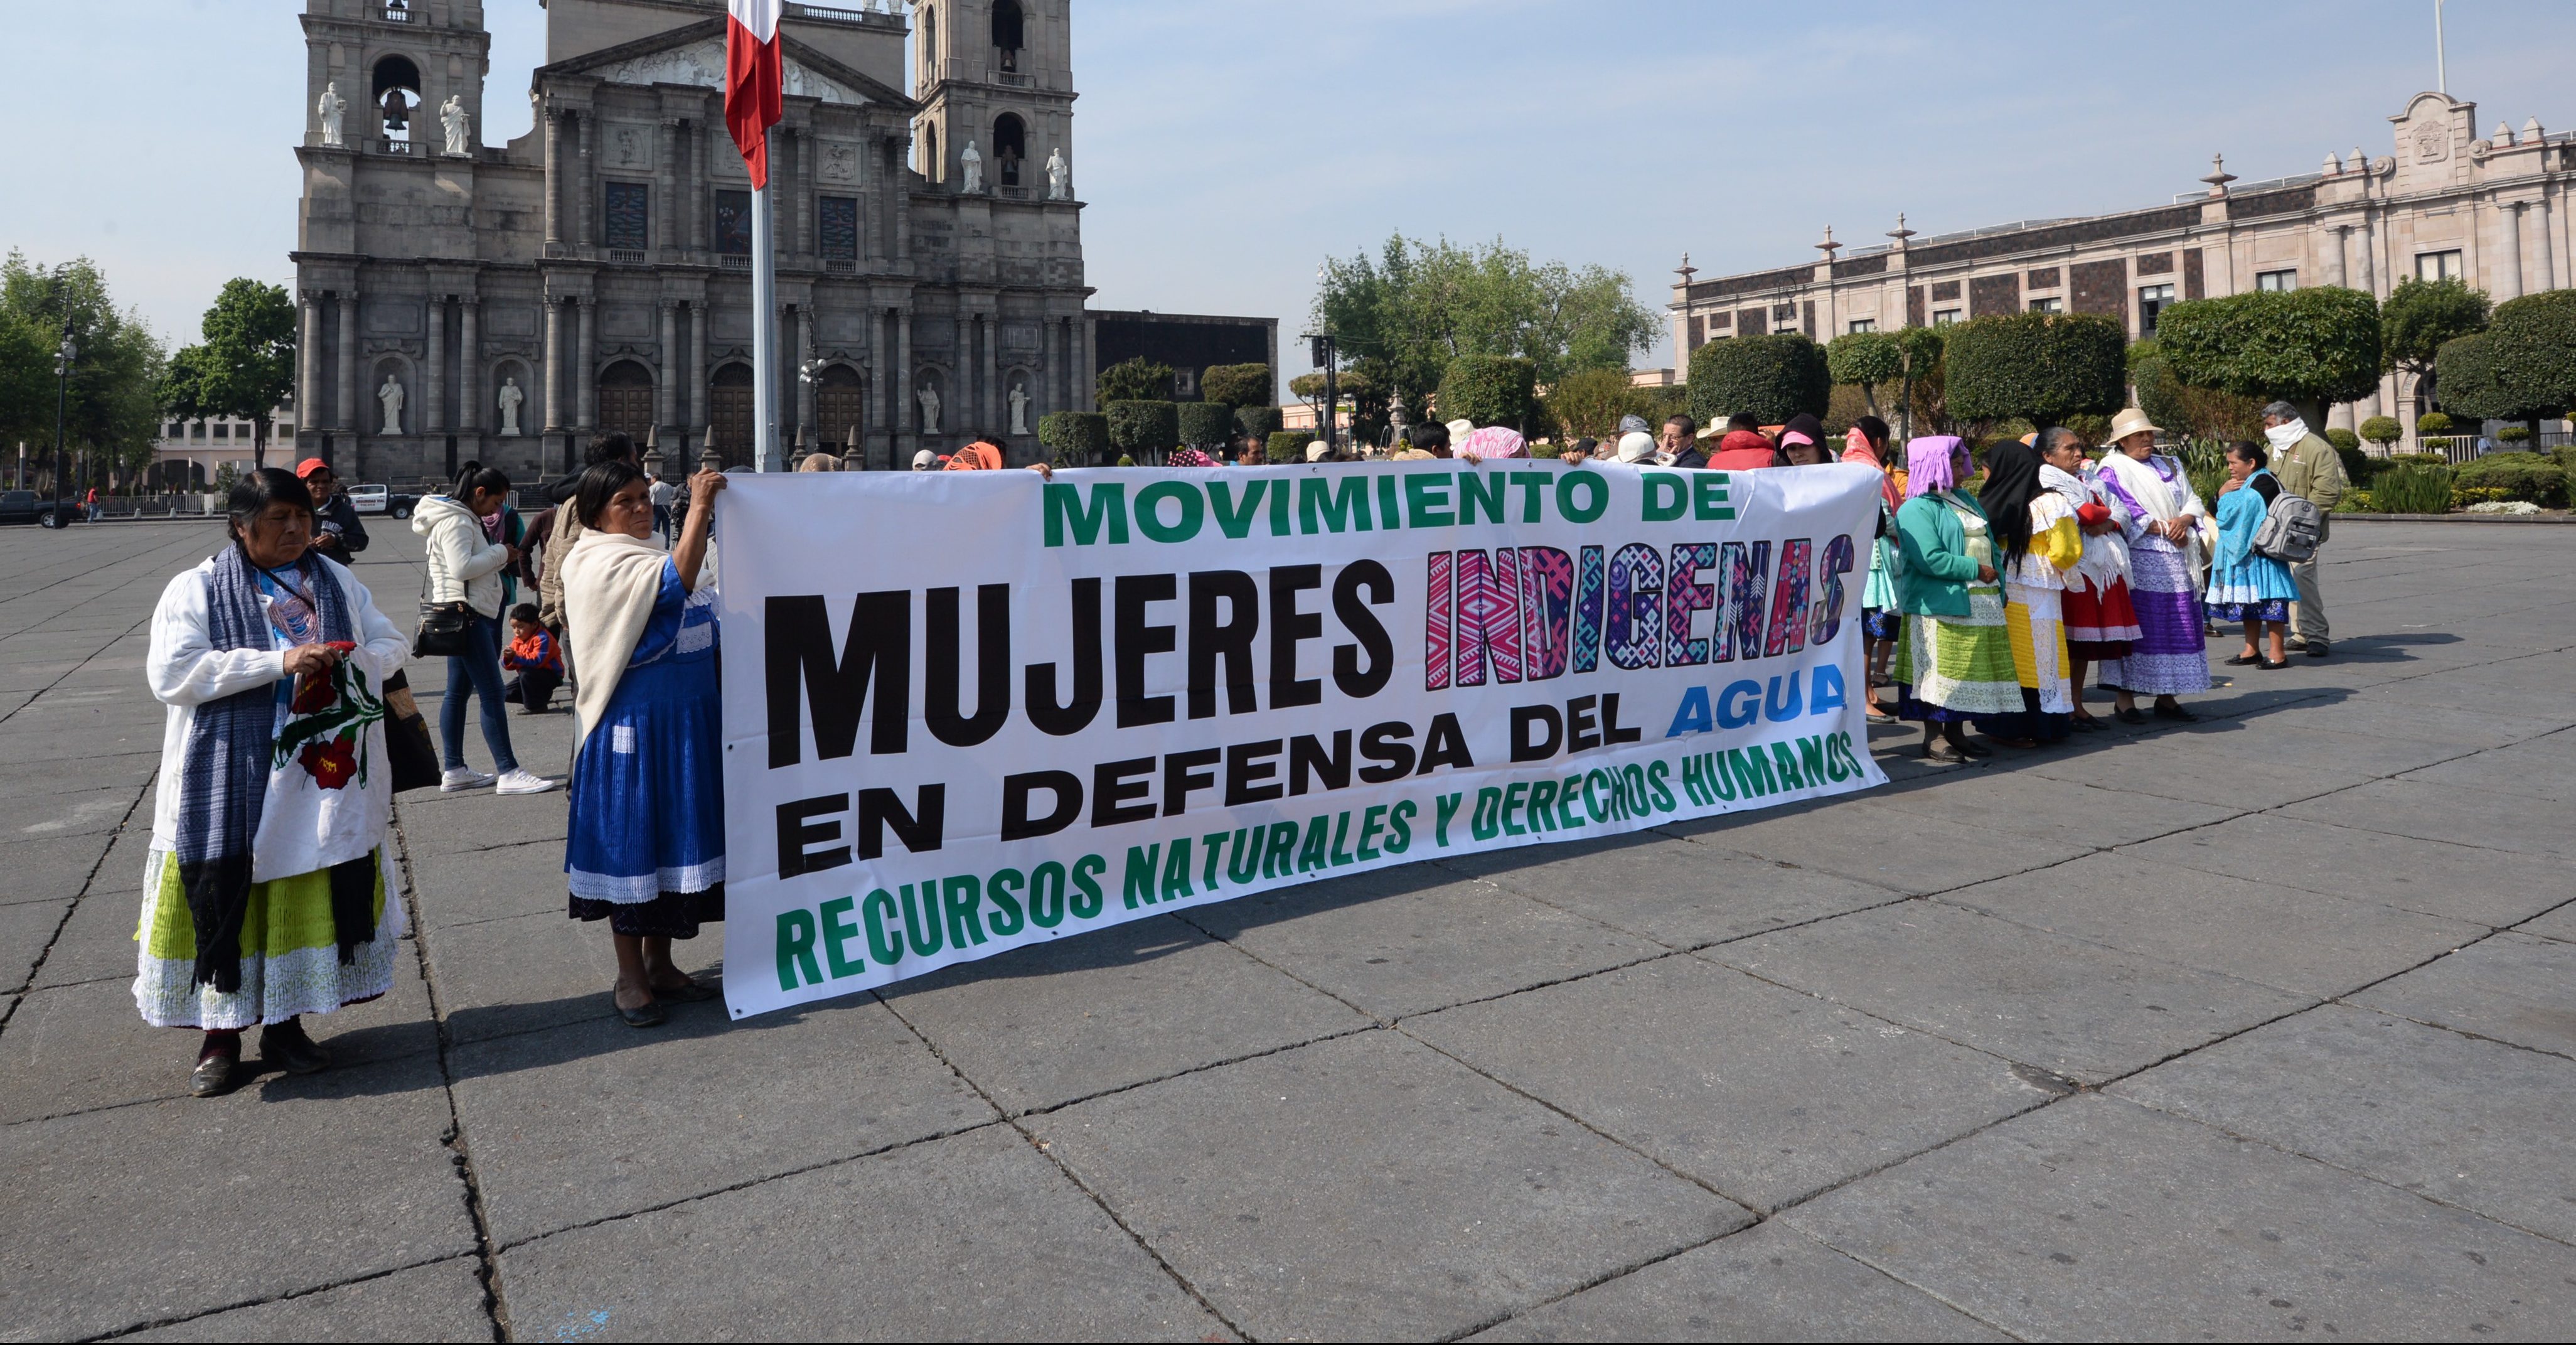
x=2166 y=523
x=266 y=893
x=645 y=849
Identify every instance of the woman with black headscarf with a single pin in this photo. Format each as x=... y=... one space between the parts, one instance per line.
x=2037 y=543
x=1802 y=442
x=265 y=886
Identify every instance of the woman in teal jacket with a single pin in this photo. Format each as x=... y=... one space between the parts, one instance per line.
x=1954 y=659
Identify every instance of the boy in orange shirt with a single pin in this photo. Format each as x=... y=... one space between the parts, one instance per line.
x=535 y=657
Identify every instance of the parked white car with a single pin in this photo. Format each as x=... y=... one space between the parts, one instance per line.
x=369 y=499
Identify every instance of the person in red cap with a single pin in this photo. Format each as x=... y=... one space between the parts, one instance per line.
x=337 y=533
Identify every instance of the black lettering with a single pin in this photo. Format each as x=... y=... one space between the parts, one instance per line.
x=1061 y=721
x=798 y=834
x=1179 y=780
x=1582 y=726
x=878 y=650
x=1136 y=639
x=1018 y=825
x=1230 y=640
x=1114 y=784
x=1444 y=745
x=1288 y=627
x=1307 y=759
x=1527 y=748
x=1353 y=610
x=992 y=666
x=1386 y=743
x=1610 y=731
x=921 y=830
x=1246 y=766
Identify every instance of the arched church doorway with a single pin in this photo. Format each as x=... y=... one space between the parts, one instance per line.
x=840 y=406
x=1010 y=146
x=729 y=413
x=626 y=399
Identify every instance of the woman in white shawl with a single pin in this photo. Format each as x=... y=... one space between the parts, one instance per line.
x=645 y=845
x=2166 y=522
x=265 y=889
x=2101 y=623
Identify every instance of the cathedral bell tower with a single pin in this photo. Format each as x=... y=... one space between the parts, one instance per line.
x=996 y=77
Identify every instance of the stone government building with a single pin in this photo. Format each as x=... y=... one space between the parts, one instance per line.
x=2445 y=203
x=464 y=302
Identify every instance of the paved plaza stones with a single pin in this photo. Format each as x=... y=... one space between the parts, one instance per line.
x=2260 y=1027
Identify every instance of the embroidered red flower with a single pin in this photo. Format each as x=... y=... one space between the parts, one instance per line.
x=314 y=693
x=332 y=764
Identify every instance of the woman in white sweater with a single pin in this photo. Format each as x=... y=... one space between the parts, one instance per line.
x=466 y=558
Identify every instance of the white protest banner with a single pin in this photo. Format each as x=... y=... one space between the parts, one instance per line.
x=967 y=711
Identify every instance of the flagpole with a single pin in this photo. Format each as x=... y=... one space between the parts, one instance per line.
x=764 y=334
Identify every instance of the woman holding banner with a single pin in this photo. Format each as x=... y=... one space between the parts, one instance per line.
x=645 y=849
x=1954 y=657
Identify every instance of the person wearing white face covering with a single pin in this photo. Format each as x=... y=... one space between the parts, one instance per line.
x=2307 y=466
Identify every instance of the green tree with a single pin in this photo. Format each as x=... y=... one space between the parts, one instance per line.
x=1404 y=315
x=2383 y=431
x=1489 y=390
x=245 y=366
x=1136 y=380
x=2419 y=316
x=1240 y=385
x=26 y=381
x=2535 y=355
x=1770 y=378
x=1144 y=426
x=1078 y=437
x=1205 y=424
x=1590 y=404
x=1864 y=360
x=2196 y=413
x=1925 y=392
x=2313 y=347
x=113 y=415
x=2039 y=367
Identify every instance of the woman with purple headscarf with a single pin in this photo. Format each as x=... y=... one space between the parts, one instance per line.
x=1954 y=656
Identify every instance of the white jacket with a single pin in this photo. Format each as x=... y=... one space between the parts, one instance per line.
x=463 y=563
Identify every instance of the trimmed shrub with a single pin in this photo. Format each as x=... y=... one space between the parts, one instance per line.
x=2514 y=434
x=1201 y=424
x=1288 y=445
x=2311 y=346
x=2433 y=422
x=1136 y=380
x=1591 y=402
x=2039 y=367
x=1125 y=460
x=2533 y=350
x=1239 y=385
x=2383 y=431
x=1260 y=422
x=1144 y=426
x=2345 y=441
x=1078 y=437
x=1489 y=390
x=1864 y=359
x=2412 y=488
x=2521 y=476
x=1770 y=378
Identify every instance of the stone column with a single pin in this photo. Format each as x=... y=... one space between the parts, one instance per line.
x=877 y=360
x=2545 y=267
x=992 y=401
x=2508 y=255
x=666 y=389
x=805 y=388
x=433 y=411
x=2341 y=235
x=805 y=245
x=308 y=370
x=697 y=369
x=469 y=364
x=666 y=142
x=903 y=404
x=1085 y=387
x=702 y=205
x=585 y=369
x=961 y=401
x=347 y=409
x=902 y=189
x=554 y=374
x=554 y=177
x=586 y=185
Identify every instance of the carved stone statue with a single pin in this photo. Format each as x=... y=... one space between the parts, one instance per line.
x=511 y=399
x=973 y=163
x=332 y=108
x=1059 y=176
x=929 y=397
x=459 y=127
x=1019 y=408
x=391 y=394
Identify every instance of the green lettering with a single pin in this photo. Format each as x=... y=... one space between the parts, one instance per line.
x=1089 y=900
x=885 y=948
x=1108 y=507
x=1319 y=506
x=1143 y=862
x=837 y=933
x=1426 y=500
x=1480 y=488
x=796 y=949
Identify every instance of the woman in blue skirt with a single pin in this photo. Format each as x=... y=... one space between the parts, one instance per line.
x=2243 y=584
x=645 y=850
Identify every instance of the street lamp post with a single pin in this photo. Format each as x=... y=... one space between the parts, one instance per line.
x=63 y=358
x=1326 y=357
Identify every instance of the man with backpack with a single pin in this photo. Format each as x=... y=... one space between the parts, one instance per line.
x=2310 y=468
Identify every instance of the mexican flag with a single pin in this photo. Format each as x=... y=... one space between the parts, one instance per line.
x=755 y=80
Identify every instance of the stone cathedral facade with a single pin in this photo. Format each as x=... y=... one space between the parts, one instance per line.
x=464 y=302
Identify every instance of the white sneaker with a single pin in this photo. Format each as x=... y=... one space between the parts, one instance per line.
x=521 y=782
x=461 y=779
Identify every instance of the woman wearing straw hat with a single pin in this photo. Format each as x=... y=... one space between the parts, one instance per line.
x=2166 y=523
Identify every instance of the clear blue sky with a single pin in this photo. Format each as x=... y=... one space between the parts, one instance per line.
x=1227 y=148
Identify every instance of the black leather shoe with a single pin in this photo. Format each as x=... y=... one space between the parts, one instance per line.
x=217 y=1071
x=651 y=1015
x=2318 y=649
x=2177 y=714
x=286 y=1046
x=2133 y=715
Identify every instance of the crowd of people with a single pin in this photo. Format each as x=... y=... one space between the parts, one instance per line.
x=267 y=888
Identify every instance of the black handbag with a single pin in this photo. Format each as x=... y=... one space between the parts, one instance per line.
x=413 y=758
x=443 y=625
